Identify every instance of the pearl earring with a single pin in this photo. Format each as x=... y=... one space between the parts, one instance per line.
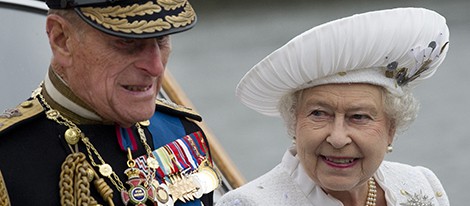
x=389 y=148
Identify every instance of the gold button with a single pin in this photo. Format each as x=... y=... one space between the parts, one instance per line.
x=403 y=192
x=439 y=194
x=145 y=123
x=26 y=104
x=72 y=136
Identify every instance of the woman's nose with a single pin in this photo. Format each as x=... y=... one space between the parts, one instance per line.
x=338 y=137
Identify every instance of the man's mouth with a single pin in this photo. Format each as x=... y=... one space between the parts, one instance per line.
x=134 y=88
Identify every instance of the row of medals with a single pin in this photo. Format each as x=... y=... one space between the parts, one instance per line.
x=183 y=187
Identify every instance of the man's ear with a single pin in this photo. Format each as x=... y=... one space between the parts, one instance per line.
x=59 y=33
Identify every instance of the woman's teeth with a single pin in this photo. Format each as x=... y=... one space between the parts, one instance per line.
x=340 y=161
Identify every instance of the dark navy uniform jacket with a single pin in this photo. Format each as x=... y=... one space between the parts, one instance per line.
x=32 y=149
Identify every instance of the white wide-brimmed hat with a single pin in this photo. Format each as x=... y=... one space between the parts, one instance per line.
x=393 y=48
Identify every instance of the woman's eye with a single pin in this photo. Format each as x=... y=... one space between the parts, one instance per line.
x=318 y=113
x=360 y=117
x=320 y=116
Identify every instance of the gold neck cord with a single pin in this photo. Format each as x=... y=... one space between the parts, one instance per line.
x=73 y=135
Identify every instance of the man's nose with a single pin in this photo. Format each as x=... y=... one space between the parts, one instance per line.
x=151 y=60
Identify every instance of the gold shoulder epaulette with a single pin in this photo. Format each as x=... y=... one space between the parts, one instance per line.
x=166 y=106
x=4 y=200
x=24 y=111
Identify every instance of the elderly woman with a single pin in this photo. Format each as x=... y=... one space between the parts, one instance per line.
x=343 y=89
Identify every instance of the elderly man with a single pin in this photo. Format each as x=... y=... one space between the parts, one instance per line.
x=94 y=132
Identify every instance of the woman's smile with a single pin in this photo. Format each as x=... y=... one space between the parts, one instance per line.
x=339 y=162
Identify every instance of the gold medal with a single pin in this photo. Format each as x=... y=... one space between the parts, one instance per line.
x=209 y=177
x=198 y=191
x=162 y=195
x=159 y=194
x=204 y=181
x=177 y=188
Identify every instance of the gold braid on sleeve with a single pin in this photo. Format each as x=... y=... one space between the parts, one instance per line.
x=75 y=179
x=4 y=200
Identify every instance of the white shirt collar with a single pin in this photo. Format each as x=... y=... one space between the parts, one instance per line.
x=61 y=99
x=312 y=191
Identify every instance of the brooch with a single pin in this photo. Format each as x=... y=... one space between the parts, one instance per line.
x=423 y=58
x=417 y=199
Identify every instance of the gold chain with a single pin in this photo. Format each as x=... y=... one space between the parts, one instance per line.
x=151 y=161
x=104 y=168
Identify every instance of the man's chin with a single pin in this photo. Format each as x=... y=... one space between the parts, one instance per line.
x=130 y=118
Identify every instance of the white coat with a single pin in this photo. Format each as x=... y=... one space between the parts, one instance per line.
x=288 y=184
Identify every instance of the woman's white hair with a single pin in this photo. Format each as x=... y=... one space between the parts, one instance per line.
x=401 y=110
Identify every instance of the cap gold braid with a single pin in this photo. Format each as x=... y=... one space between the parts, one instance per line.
x=114 y=17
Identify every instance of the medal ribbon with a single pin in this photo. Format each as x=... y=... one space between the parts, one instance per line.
x=200 y=139
x=176 y=166
x=160 y=170
x=196 y=142
x=165 y=160
x=189 y=158
x=193 y=154
x=126 y=138
x=194 y=149
x=179 y=156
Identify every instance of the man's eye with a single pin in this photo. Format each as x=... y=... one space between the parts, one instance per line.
x=126 y=41
x=163 y=40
